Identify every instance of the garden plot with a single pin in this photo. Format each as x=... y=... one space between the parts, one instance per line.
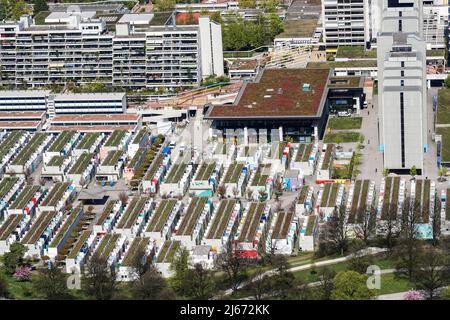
x=154 y=169
x=37 y=238
x=77 y=255
x=166 y=255
x=109 y=217
x=330 y=196
x=163 y=221
x=309 y=232
x=9 y=147
x=178 y=179
x=57 y=197
x=26 y=200
x=325 y=162
x=206 y=179
x=8 y=188
x=111 y=247
x=82 y=170
x=111 y=167
x=90 y=143
x=282 y=233
x=252 y=228
x=138 y=141
x=358 y=201
x=262 y=181
x=193 y=223
x=305 y=201
x=235 y=179
x=11 y=230
x=222 y=152
x=127 y=263
x=118 y=140
x=423 y=193
x=304 y=158
x=220 y=228
x=56 y=168
x=64 y=232
x=389 y=196
x=249 y=154
x=62 y=145
x=135 y=216
x=30 y=155
x=134 y=163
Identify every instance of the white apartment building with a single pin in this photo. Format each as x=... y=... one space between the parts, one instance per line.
x=137 y=55
x=402 y=85
x=345 y=22
x=24 y=100
x=89 y=103
x=435 y=24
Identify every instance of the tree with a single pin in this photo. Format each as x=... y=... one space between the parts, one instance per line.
x=442 y=172
x=360 y=262
x=262 y=195
x=123 y=197
x=39 y=5
x=152 y=286
x=447 y=82
x=413 y=171
x=180 y=266
x=199 y=283
x=413 y=295
x=275 y=24
x=350 y=285
x=333 y=236
x=366 y=219
x=247 y=4
x=22 y=273
x=386 y=172
x=429 y=275
x=408 y=249
x=325 y=287
x=436 y=220
x=100 y=279
x=222 y=191
x=18 y=9
x=51 y=283
x=232 y=265
x=14 y=258
x=4 y=288
x=278 y=190
x=283 y=280
x=164 y=5
x=260 y=284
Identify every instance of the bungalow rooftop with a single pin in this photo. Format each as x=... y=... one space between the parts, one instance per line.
x=291 y=100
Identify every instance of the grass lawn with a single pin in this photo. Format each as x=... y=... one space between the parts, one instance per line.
x=445 y=147
x=443 y=107
x=354 y=52
x=341 y=123
x=342 y=137
x=393 y=283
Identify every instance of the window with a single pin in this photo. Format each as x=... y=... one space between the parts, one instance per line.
x=402 y=64
x=400 y=26
x=402 y=83
x=402 y=73
x=402 y=128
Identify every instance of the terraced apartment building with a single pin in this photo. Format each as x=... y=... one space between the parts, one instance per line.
x=144 y=51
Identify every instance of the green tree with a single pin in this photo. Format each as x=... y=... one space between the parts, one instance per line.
x=4 y=288
x=14 y=258
x=18 y=9
x=164 y=5
x=199 y=283
x=386 y=172
x=4 y=9
x=447 y=82
x=100 y=279
x=429 y=275
x=51 y=283
x=350 y=285
x=413 y=171
x=247 y=4
x=39 y=5
x=275 y=25
x=180 y=267
x=152 y=286
x=269 y=5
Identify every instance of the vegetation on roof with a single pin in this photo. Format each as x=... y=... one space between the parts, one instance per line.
x=176 y=173
x=65 y=227
x=343 y=64
x=132 y=212
x=88 y=140
x=6 y=184
x=112 y=158
x=24 y=197
x=298 y=28
x=205 y=171
x=31 y=147
x=310 y=225
x=115 y=138
x=443 y=106
x=233 y=173
x=221 y=218
x=445 y=145
x=62 y=139
x=342 y=137
x=327 y=157
x=9 y=142
x=56 y=161
x=342 y=123
x=81 y=164
x=252 y=221
x=55 y=195
x=192 y=215
x=38 y=227
x=168 y=251
x=161 y=215
x=356 y=52
x=261 y=175
x=282 y=225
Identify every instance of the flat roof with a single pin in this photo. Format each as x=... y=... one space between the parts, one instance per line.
x=243 y=64
x=91 y=128
x=137 y=18
x=24 y=93
x=279 y=94
x=96 y=118
x=21 y=114
x=298 y=28
x=346 y=82
x=58 y=15
x=19 y=124
x=90 y=96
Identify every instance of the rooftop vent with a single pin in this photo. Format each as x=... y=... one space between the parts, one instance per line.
x=306 y=87
x=267 y=96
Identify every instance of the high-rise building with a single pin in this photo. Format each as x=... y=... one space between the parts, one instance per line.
x=402 y=85
x=79 y=47
x=346 y=22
